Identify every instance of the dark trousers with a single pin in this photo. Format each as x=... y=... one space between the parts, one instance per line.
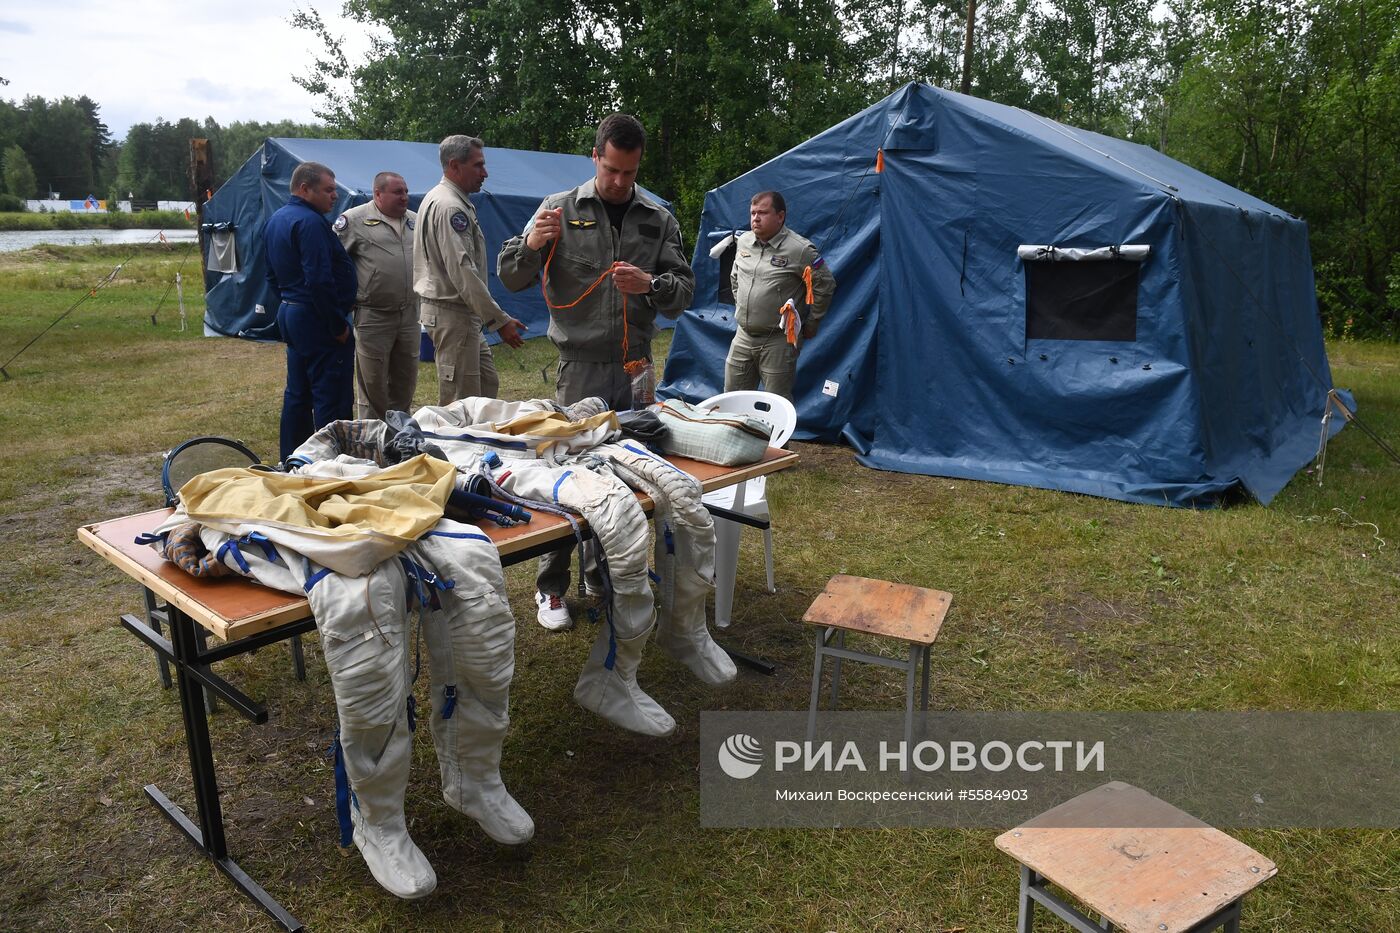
x=320 y=376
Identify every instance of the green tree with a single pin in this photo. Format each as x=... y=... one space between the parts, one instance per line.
x=1353 y=169
x=19 y=176
x=66 y=143
x=155 y=159
x=1087 y=54
x=720 y=88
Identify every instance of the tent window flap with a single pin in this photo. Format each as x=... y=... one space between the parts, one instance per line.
x=1082 y=294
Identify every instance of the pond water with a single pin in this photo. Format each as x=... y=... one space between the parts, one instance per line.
x=12 y=240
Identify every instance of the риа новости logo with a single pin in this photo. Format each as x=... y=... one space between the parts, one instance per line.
x=741 y=756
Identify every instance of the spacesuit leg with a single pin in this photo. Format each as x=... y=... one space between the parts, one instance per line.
x=613 y=693
x=472 y=662
x=369 y=675
x=471 y=654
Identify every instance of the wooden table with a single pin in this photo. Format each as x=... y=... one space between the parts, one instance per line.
x=1140 y=863
x=234 y=608
x=248 y=616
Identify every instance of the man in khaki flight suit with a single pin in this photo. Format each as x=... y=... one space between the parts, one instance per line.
x=449 y=275
x=606 y=222
x=769 y=262
x=378 y=235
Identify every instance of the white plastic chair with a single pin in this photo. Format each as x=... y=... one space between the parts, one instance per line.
x=748 y=497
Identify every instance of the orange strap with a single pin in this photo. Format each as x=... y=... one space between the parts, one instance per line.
x=807 y=280
x=631 y=368
x=879 y=161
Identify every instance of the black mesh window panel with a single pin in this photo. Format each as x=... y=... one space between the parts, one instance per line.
x=726 y=265
x=1089 y=300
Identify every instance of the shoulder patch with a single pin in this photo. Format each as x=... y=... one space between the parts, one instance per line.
x=459 y=221
x=779 y=261
x=340 y=223
x=408 y=222
x=583 y=224
x=372 y=221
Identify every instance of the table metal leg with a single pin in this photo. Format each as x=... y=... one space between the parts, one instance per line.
x=298 y=658
x=211 y=701
x=928 y=650
x=816 y=685
x=1025 y=915
x=154 y=614
x=914 y=652
x=208 y=835
x=836 y=669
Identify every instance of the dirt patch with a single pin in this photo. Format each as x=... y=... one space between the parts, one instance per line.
x=1075 y=624
x=1084 y=612
x=105 y=477
x=105 y=484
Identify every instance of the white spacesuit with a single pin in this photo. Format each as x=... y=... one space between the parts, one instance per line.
x=594 y=473
x=451 y=579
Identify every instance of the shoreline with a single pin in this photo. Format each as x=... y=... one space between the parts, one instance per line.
x=19 y=221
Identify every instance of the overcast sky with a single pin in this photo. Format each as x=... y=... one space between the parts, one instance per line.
x=143 y=59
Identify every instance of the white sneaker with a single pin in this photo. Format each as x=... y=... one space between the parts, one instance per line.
x=552 y=613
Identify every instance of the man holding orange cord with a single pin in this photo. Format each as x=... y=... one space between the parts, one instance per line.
x=599 y=248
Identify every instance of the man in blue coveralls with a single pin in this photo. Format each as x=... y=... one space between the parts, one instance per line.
x=314 y=281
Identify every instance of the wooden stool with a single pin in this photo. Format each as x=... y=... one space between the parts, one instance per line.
x=1181 y=877
x=911 y=614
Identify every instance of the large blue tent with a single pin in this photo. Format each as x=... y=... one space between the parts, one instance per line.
x=239 y=303
x=1029 y=303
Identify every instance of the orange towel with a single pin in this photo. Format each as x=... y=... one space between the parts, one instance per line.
x=791 y=321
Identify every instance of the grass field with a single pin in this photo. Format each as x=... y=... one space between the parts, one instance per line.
x=1063 y=602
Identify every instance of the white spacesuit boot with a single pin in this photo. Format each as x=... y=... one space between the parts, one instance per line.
x=472 y=662
x=682 y=632
x=369 y=675
x=614 y=694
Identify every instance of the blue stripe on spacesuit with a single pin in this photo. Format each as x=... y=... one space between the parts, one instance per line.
x=343 y=794
x=559 y=482
x=457 y=534
x=642 y=451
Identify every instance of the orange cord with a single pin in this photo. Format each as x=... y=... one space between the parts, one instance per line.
x=879 y=161
x=632 y=368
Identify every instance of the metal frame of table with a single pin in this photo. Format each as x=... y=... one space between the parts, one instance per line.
x=190 y=608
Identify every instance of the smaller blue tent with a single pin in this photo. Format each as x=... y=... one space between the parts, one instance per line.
x=239 y=304
x=1029 y=303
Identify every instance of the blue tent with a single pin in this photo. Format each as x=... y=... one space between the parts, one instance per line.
x=1028 y=303
x=239 y=304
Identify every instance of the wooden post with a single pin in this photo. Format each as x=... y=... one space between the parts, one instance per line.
x=201 y=184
